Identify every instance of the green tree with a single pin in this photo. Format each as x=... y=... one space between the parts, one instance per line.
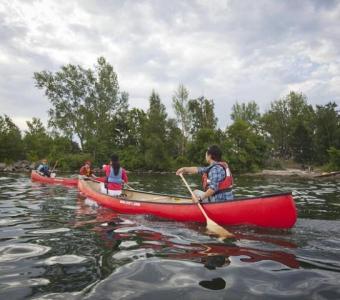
x=248 y=112
x=327 y=131
x=132 y=152
x=334 y=159
x=180 y=103
x=86 y=104
x=204 y=138
x=37 y=142
x=156 y=155
x=246 y=150
x=202 y=114
x=286 y=121
x=11 y=147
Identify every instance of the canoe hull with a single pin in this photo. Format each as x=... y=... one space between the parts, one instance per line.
x=58 y=180
x=275 y=211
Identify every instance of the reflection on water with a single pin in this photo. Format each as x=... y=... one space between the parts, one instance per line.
x=55 y=244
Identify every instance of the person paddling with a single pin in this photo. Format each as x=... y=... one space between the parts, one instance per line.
x=43 y=168
x=217 y=180
x=115 y=177
x=86 y=170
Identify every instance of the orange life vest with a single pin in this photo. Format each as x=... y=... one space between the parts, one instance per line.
x=223 y=186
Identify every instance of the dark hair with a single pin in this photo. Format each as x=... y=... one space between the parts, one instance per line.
x=115 y=163
x=215 y=152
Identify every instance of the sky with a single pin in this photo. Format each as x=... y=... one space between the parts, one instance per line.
x=228 y=51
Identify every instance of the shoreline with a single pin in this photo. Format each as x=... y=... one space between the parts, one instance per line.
x=26 y=166
x=296 y=173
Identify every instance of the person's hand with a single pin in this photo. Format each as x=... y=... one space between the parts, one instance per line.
x=195 y=199
x=180 y=171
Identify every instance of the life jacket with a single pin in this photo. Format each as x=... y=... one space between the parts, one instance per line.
x=112 y=178
x=225 y=185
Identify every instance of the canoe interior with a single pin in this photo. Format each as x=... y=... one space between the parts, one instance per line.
x=133 y=195
x=141 y=196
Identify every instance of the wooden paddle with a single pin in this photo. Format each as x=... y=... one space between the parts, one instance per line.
x=55 y=165
x=211 y=225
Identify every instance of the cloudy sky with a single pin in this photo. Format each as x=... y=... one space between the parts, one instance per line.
x=229 y=51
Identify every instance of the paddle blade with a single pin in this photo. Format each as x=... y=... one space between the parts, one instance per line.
x=218 y=230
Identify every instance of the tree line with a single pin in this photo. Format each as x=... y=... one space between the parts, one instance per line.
x=90 y=118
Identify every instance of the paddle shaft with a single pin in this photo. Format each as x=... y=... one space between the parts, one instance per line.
x=55 y=165
x=194 y=196
x=211 y=225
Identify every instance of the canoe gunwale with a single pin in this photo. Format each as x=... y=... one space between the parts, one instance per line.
x=183 y=197
x=35 y=176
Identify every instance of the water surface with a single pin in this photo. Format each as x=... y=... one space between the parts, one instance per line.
x=54 y=244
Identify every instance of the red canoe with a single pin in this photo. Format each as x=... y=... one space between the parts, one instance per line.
x=276 y=211
x=35 y=176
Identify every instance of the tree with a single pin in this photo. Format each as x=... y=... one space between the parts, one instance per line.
x=180 y=103
x=85 y=103
x=327 y=131
x=246 y=149
x=248 y=112
x=286 y=120
x=37 y=142
x=156 y=156
x=11 y=147
x=204 y=138
x=202 y=114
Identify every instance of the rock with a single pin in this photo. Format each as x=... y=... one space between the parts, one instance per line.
x=32 y=166
x=2 y=166
x=9 y=168
x=21 y=164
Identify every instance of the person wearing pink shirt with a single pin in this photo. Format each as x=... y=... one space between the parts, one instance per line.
x=115 y=177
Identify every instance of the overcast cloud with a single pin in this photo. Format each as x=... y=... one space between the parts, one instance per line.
x=225 y=50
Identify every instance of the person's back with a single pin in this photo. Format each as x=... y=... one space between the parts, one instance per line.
x=217 y=177
x=43 y=168
x=115 y=177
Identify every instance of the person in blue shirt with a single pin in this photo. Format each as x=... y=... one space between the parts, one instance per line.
x=217 y=180
x=43 y=168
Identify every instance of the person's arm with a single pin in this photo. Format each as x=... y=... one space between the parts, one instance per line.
x=207 y=194
x=124 y=176
x=187 y=170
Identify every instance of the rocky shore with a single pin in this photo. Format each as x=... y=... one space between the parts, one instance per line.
x=19 y=166
x=296 y=172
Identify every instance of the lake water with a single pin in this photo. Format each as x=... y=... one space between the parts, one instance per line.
x=54 y=244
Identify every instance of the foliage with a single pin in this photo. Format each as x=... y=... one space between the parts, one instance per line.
x=37 y=142
x=287 y=120
x=202 y=114
x=90 y=119
x=85 y=103
x=248 y=112
x=180 y=103
x=334 y=159
x=327 y=133
x=246 y=150
x=72 y=162
x=156 y=156
x=11 y=147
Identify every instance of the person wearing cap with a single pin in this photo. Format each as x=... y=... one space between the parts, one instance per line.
x=217 y=181
x=86 y=170
x=43 y=168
